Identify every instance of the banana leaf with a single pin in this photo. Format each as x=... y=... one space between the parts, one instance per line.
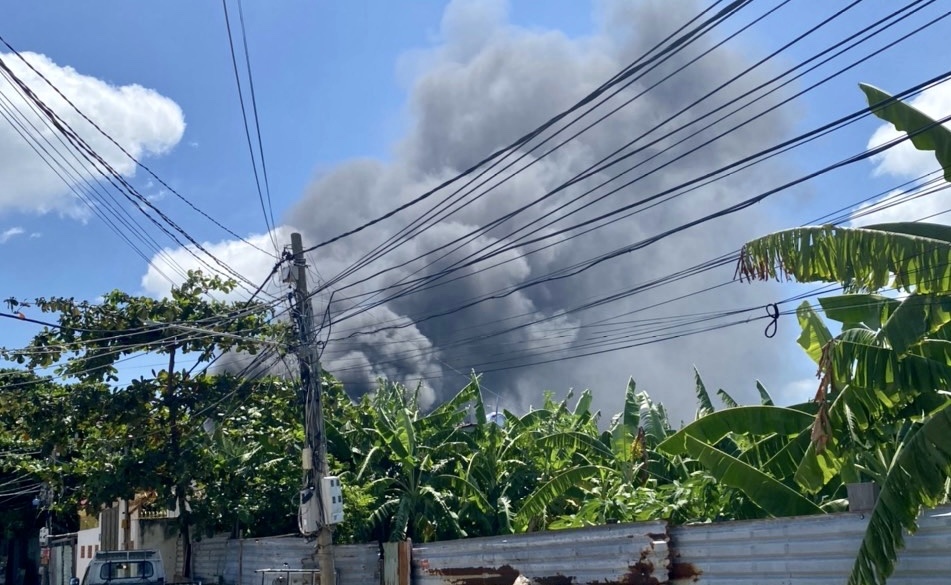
x=909 y=119
x=748 y=420
x=771 y=495
x=918 y=477
x=858 y=258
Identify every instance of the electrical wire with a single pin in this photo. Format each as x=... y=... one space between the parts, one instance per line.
x=257 y=119
x=422 y=223
x=625 y=73
x=604 y=163
x=697 y=269
x=664 y=195
x=591 y=263
x=56 y=160
x=265 y=207
x=137 y=162
x=887 y=203
x=161 y=220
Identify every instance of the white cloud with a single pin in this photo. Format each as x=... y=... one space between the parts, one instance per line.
x=797 y=391
x=11 y=233
x=931 y=204
x=144 y=122
x=247 y=260
x=904 y=160
x=36 y=235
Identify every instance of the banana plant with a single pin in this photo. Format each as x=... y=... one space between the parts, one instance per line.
x=409 y=464
x=886 y=374
x=710 y=439
x=568 y=454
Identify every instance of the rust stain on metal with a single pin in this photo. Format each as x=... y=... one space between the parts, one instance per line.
x=504 y=575
x=640 y=573
x=684 y=571
x=554 y=580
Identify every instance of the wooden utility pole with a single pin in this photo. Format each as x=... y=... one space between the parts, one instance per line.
x=313 y=408
x=181 y=485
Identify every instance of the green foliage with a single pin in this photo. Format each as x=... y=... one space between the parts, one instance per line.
x=703 y=397
x=450 y=472
x=99 y=439
x=881 y=412
x=764 y=396
x=774 y=497
x=881 y=405
x=917 y=476
x=861 y=259
x=726 y=399
x=750 y=420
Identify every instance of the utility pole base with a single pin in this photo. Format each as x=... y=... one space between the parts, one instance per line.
x=325 y=557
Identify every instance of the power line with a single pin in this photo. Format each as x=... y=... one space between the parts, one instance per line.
x=667 y=194
x=888 y=202
x=634 y=67
x=269 y=223
x=117 y=350
x=423 y=222
x=112 y=175
x=122 y=149
x=63 y=168
x=247 y=308
x=585 y=265
x=257 y=122
x=906 y=36
x=603 y=163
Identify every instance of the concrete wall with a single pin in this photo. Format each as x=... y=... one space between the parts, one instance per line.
x=161 y=535
x=87 y=543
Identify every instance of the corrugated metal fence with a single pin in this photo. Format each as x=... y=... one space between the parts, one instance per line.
x=619 y=553
x=786 y=551
x=234 y=562
x=801 y=551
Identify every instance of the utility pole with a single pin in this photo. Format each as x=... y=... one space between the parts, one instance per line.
x=316 y=450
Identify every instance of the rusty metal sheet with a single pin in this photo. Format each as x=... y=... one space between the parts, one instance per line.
x=809 y=550
x=634 y=554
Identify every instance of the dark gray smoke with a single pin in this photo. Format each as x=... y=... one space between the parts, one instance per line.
x=485 y=84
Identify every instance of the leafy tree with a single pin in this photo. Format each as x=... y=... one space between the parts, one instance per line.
x=252 y=459
x=142 y=436
x=43 y=425
x=736 y=446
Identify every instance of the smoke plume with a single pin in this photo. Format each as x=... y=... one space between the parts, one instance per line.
x=485 y=84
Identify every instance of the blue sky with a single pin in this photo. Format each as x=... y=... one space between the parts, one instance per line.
x=333 y=82
x=327 y=83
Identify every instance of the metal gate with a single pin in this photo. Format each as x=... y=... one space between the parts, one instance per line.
x=62 y=565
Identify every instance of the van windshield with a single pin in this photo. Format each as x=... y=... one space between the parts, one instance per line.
x=126 y=570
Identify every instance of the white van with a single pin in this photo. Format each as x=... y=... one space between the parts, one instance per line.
x=125 y=567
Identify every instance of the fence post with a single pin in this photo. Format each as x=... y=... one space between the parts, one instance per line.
x=405 y=561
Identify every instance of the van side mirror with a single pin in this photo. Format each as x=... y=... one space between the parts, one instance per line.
x=73 y=581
